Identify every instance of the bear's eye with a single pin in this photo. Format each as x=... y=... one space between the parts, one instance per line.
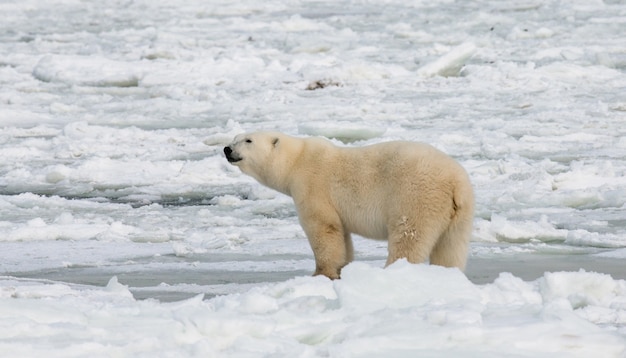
x=248 y=140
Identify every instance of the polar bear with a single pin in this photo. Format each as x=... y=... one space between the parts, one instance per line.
x=414 y=196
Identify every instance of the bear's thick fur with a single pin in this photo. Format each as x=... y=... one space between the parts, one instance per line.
x=416 y=197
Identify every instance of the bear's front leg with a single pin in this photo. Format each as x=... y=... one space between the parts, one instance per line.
x=332 y=247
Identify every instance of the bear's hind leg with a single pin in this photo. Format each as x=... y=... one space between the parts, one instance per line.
x=451 y=249
x=412 y=241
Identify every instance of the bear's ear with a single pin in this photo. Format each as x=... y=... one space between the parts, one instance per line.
x=275 y=142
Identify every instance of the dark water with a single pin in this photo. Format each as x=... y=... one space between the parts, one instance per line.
x=479 y=270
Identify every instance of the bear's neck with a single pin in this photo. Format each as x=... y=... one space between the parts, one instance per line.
x=286 y=169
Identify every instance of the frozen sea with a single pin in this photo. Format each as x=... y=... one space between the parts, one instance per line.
x=124 y=232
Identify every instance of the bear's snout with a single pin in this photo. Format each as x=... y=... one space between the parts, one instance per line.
x=230 y=156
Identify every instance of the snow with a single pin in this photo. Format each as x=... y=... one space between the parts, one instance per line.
x=123 y=231
x=402 y=311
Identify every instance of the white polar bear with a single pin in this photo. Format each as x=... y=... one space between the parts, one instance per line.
x=411 y=194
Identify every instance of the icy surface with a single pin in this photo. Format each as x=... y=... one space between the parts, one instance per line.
x=114 y=115
x=405 y=310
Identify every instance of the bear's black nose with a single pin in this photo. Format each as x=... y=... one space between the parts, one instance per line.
x=232 y=158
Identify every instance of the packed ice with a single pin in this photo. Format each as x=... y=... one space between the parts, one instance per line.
x=124 y=231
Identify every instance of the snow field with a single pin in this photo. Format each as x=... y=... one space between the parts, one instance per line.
x=403 y=310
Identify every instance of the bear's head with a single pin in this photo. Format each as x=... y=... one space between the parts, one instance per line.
x=260 y=155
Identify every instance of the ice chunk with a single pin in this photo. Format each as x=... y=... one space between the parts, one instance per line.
x=118 y=288
x=343 y=131
x=87 y=71
x=449 y=64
